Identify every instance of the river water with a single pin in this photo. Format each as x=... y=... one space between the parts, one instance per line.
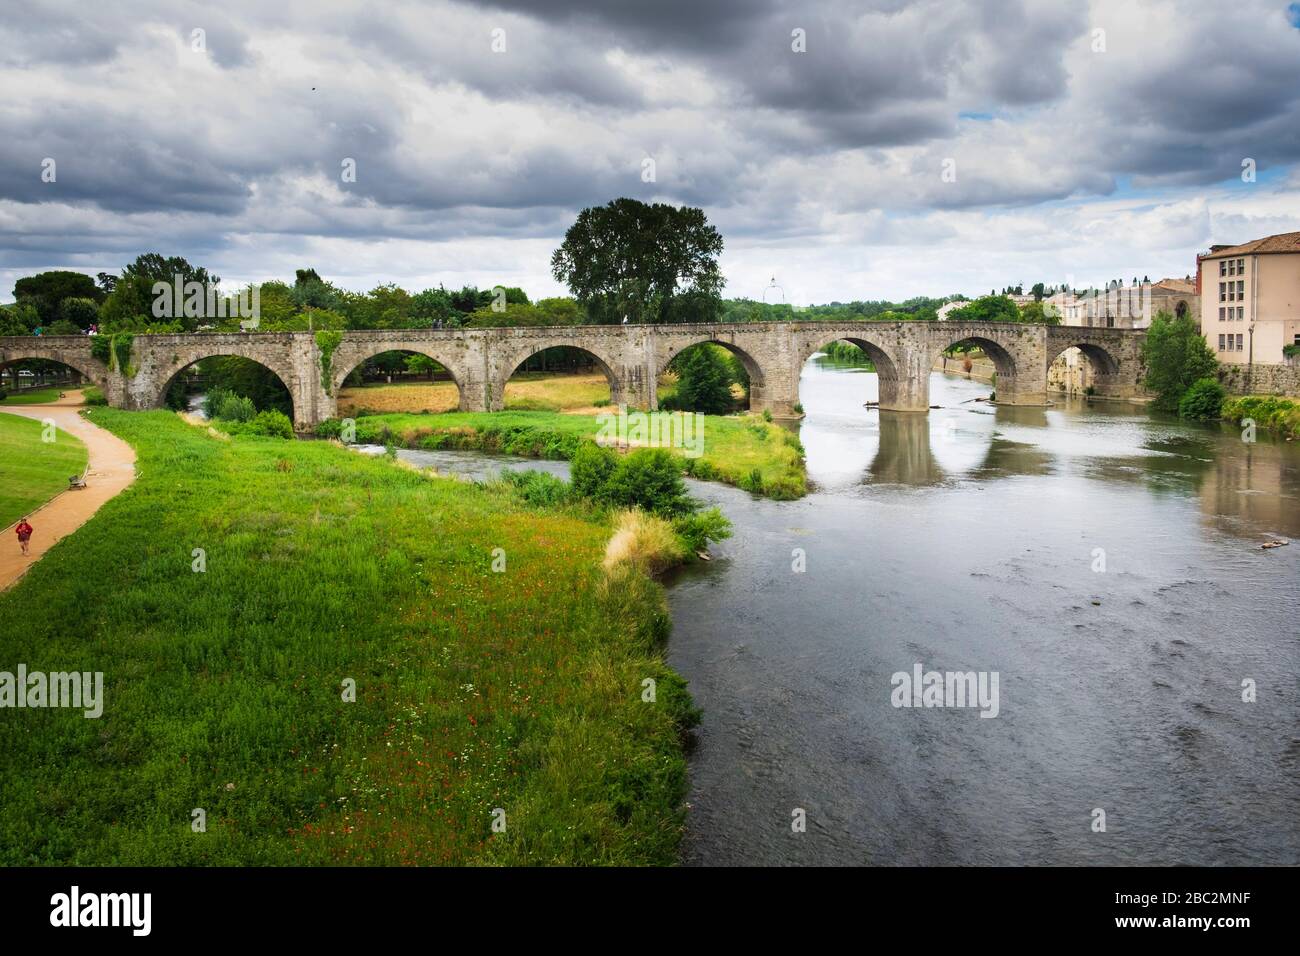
x=1105 y=564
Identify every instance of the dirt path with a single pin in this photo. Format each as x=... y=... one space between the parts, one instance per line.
x=111 y=468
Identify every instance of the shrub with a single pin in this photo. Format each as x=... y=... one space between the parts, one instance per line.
x=650 y=479
x=538 y=488
x=213 y=399
x=1203 y=401
x=645 y=541
x=3 y=394
x=590 y=471
x=697 y=530
x=272 y=423
x=94 y=396
x=236 y=408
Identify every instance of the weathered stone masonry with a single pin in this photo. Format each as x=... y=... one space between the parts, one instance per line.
x=481 y=361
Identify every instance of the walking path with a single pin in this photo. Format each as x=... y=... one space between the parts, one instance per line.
x=110 y=468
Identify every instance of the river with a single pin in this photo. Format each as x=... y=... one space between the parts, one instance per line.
x=967 y=540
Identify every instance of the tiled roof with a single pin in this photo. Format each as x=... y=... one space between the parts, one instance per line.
x=1283 y=242
x=1176 y=285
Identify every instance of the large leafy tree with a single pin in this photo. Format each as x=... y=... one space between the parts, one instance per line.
x=47 y=290
x=130 y=305
x=1176 y=356
x=631 y=260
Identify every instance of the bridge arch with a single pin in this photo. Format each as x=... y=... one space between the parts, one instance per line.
x=1082 y=367
x=516 y=355
x=757 y=376
x=178 y=362
x=889 y=368
x=348 y=360
x=1004 y=363
x=76 y=357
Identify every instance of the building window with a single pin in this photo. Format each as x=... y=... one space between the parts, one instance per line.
x=1222 y=291
x=1239 y=338
x=1241 y=289
x=1241 y=267
x=1221 y=338
x=1223 y=267
x=1241 y=312
x=1221 y=311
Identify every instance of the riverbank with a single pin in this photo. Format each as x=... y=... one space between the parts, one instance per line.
x=740 y=450
x=315 y=649
x=1278 y=415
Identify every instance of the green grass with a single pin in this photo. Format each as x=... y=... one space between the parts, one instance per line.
x=32 y=471
x=740 y=450
x=37 y=396
x=475 y=690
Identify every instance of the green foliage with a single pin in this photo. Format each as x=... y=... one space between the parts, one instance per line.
x=704 y=382
x=1203 y=401
x=990 y=308
x=538 y=488
x=121 y=351
x=1271 y=412
x=271 y=423
x=1176 y=355
x=21 y=318
x=80 y=313
x=649 y=479
x=63 y=327
x=93 y=396
x=630 y=260
x=590 y=470
x=698 y=529
x=327 y=340
x=229 y=407
x=46 y=291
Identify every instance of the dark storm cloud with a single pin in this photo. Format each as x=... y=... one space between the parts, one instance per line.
x=158 y=144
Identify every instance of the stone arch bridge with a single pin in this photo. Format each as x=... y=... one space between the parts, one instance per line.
x=482 y=360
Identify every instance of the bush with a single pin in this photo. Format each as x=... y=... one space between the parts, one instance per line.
x=1203 y=401
x=272 y=423
x=590 y=470
x=538 y=488
x=650 y=479
x=235 y=408
x=94 y=396
x=3 y=394
x=697 y=530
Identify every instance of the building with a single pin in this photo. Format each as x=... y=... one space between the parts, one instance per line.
x=1250 y=299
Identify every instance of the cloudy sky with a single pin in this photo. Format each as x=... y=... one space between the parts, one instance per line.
x=1087 y=141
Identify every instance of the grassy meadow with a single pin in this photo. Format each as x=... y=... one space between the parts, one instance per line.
x=224 y=686
x=32 y=471
x=36 y=396
x=740 y=450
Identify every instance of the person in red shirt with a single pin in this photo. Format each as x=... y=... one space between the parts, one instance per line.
x=24 y=534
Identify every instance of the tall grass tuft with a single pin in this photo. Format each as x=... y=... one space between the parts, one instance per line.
x=643 y=541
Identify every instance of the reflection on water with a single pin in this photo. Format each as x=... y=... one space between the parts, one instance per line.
x=1252 y=488
x=969 y=539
